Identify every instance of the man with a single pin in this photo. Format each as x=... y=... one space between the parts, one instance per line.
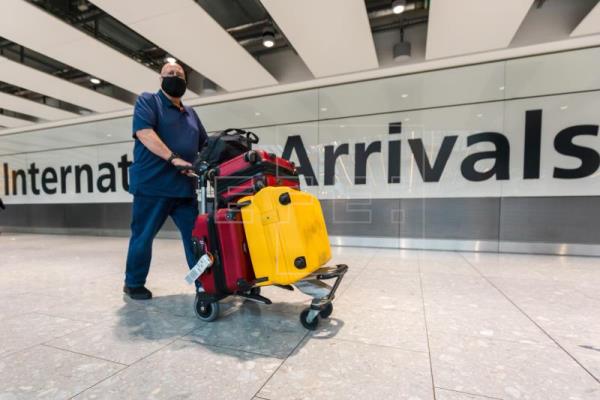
x=168 y=134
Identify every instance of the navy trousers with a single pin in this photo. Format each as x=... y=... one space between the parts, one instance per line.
x=149 y=213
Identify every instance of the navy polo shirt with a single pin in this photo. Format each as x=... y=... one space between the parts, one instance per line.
x=180 y=130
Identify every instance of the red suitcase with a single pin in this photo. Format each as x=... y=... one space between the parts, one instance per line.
x=250 y=172
x=222 y=234
x=230 y=190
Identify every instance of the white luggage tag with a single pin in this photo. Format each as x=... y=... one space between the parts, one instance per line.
x=202 y=265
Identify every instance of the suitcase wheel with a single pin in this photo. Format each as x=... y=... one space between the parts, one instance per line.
x=285 y=198
x=205 y=310
x=304 y=319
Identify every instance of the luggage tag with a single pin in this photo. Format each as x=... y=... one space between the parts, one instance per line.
x=202 y=265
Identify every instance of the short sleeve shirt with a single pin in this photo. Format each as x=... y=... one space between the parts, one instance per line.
x=180 y=130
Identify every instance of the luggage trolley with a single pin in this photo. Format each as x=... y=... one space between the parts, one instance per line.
x=207 y=304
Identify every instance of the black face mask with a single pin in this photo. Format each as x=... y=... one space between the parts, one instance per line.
x=174 y=86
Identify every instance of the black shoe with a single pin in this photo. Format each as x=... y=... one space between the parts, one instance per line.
x=137 y=293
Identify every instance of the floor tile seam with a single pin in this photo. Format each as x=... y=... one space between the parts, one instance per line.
x=530 y=342
x=304 y=338
x=83 y=354
x=231 y=348
x=360 y=272
x=124 y=369
x=427 y=332
x=594 y=377
x=469 y=393
x=24 y=349
x=93 y=323
x=371 y=344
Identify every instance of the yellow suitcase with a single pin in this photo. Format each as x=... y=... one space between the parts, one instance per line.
x=286 y=234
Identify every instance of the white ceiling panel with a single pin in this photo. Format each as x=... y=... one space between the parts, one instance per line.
x=459 y=27
x=590 y=24
x=29 y=26
x=33 y=108
x=30 y=78
x=333 y=37
x=198 y=40
x=12 y=122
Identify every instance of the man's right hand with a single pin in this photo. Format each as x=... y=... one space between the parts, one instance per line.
x=178 y=162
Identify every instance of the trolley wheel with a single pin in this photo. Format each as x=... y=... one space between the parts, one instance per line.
x=326 y=311
x=304 y=320
x=206 y=311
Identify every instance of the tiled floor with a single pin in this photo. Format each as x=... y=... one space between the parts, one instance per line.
x=407 y=325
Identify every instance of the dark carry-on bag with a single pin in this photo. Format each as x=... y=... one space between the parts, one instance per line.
x=248 y=173
x=225 y=145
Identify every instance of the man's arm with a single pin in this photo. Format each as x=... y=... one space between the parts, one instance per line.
x=152 y=141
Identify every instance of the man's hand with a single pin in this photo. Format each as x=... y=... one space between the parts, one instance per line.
x=178 y=162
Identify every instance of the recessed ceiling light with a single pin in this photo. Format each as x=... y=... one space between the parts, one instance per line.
x=171 y=60
x=95 y=81
x=564 y=107
x=479 y=115
x=268 y=38
x=398 y=6
x=501 y=88
x=323 y=108
x=257 y=114
x=404 y=95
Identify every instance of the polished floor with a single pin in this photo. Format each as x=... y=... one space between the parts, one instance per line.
x=406 y=325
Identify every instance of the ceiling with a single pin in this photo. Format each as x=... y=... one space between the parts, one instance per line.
x=50 y=49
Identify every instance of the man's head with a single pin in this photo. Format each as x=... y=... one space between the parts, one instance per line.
x=172 y=80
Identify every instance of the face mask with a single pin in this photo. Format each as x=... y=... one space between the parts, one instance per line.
x=174 y=86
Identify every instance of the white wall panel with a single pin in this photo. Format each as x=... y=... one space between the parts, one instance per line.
x=558 y=112
x=100 y=132
x=260 y=111
x=476 y=83
x=431 y=118
x=553 y=73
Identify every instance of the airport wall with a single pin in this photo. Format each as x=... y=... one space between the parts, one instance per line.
x=500 y=156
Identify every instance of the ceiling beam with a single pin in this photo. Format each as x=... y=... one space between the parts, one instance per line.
x=332 y=37
x=32 y=27
x=33 y=108
x=21 y=75
x=458 y=27
x=12 y=122
x=191 y=35
x=590 y=24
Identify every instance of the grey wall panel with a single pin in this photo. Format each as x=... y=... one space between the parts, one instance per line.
x=360 y=217
x=451 y=218
x=551 y=219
